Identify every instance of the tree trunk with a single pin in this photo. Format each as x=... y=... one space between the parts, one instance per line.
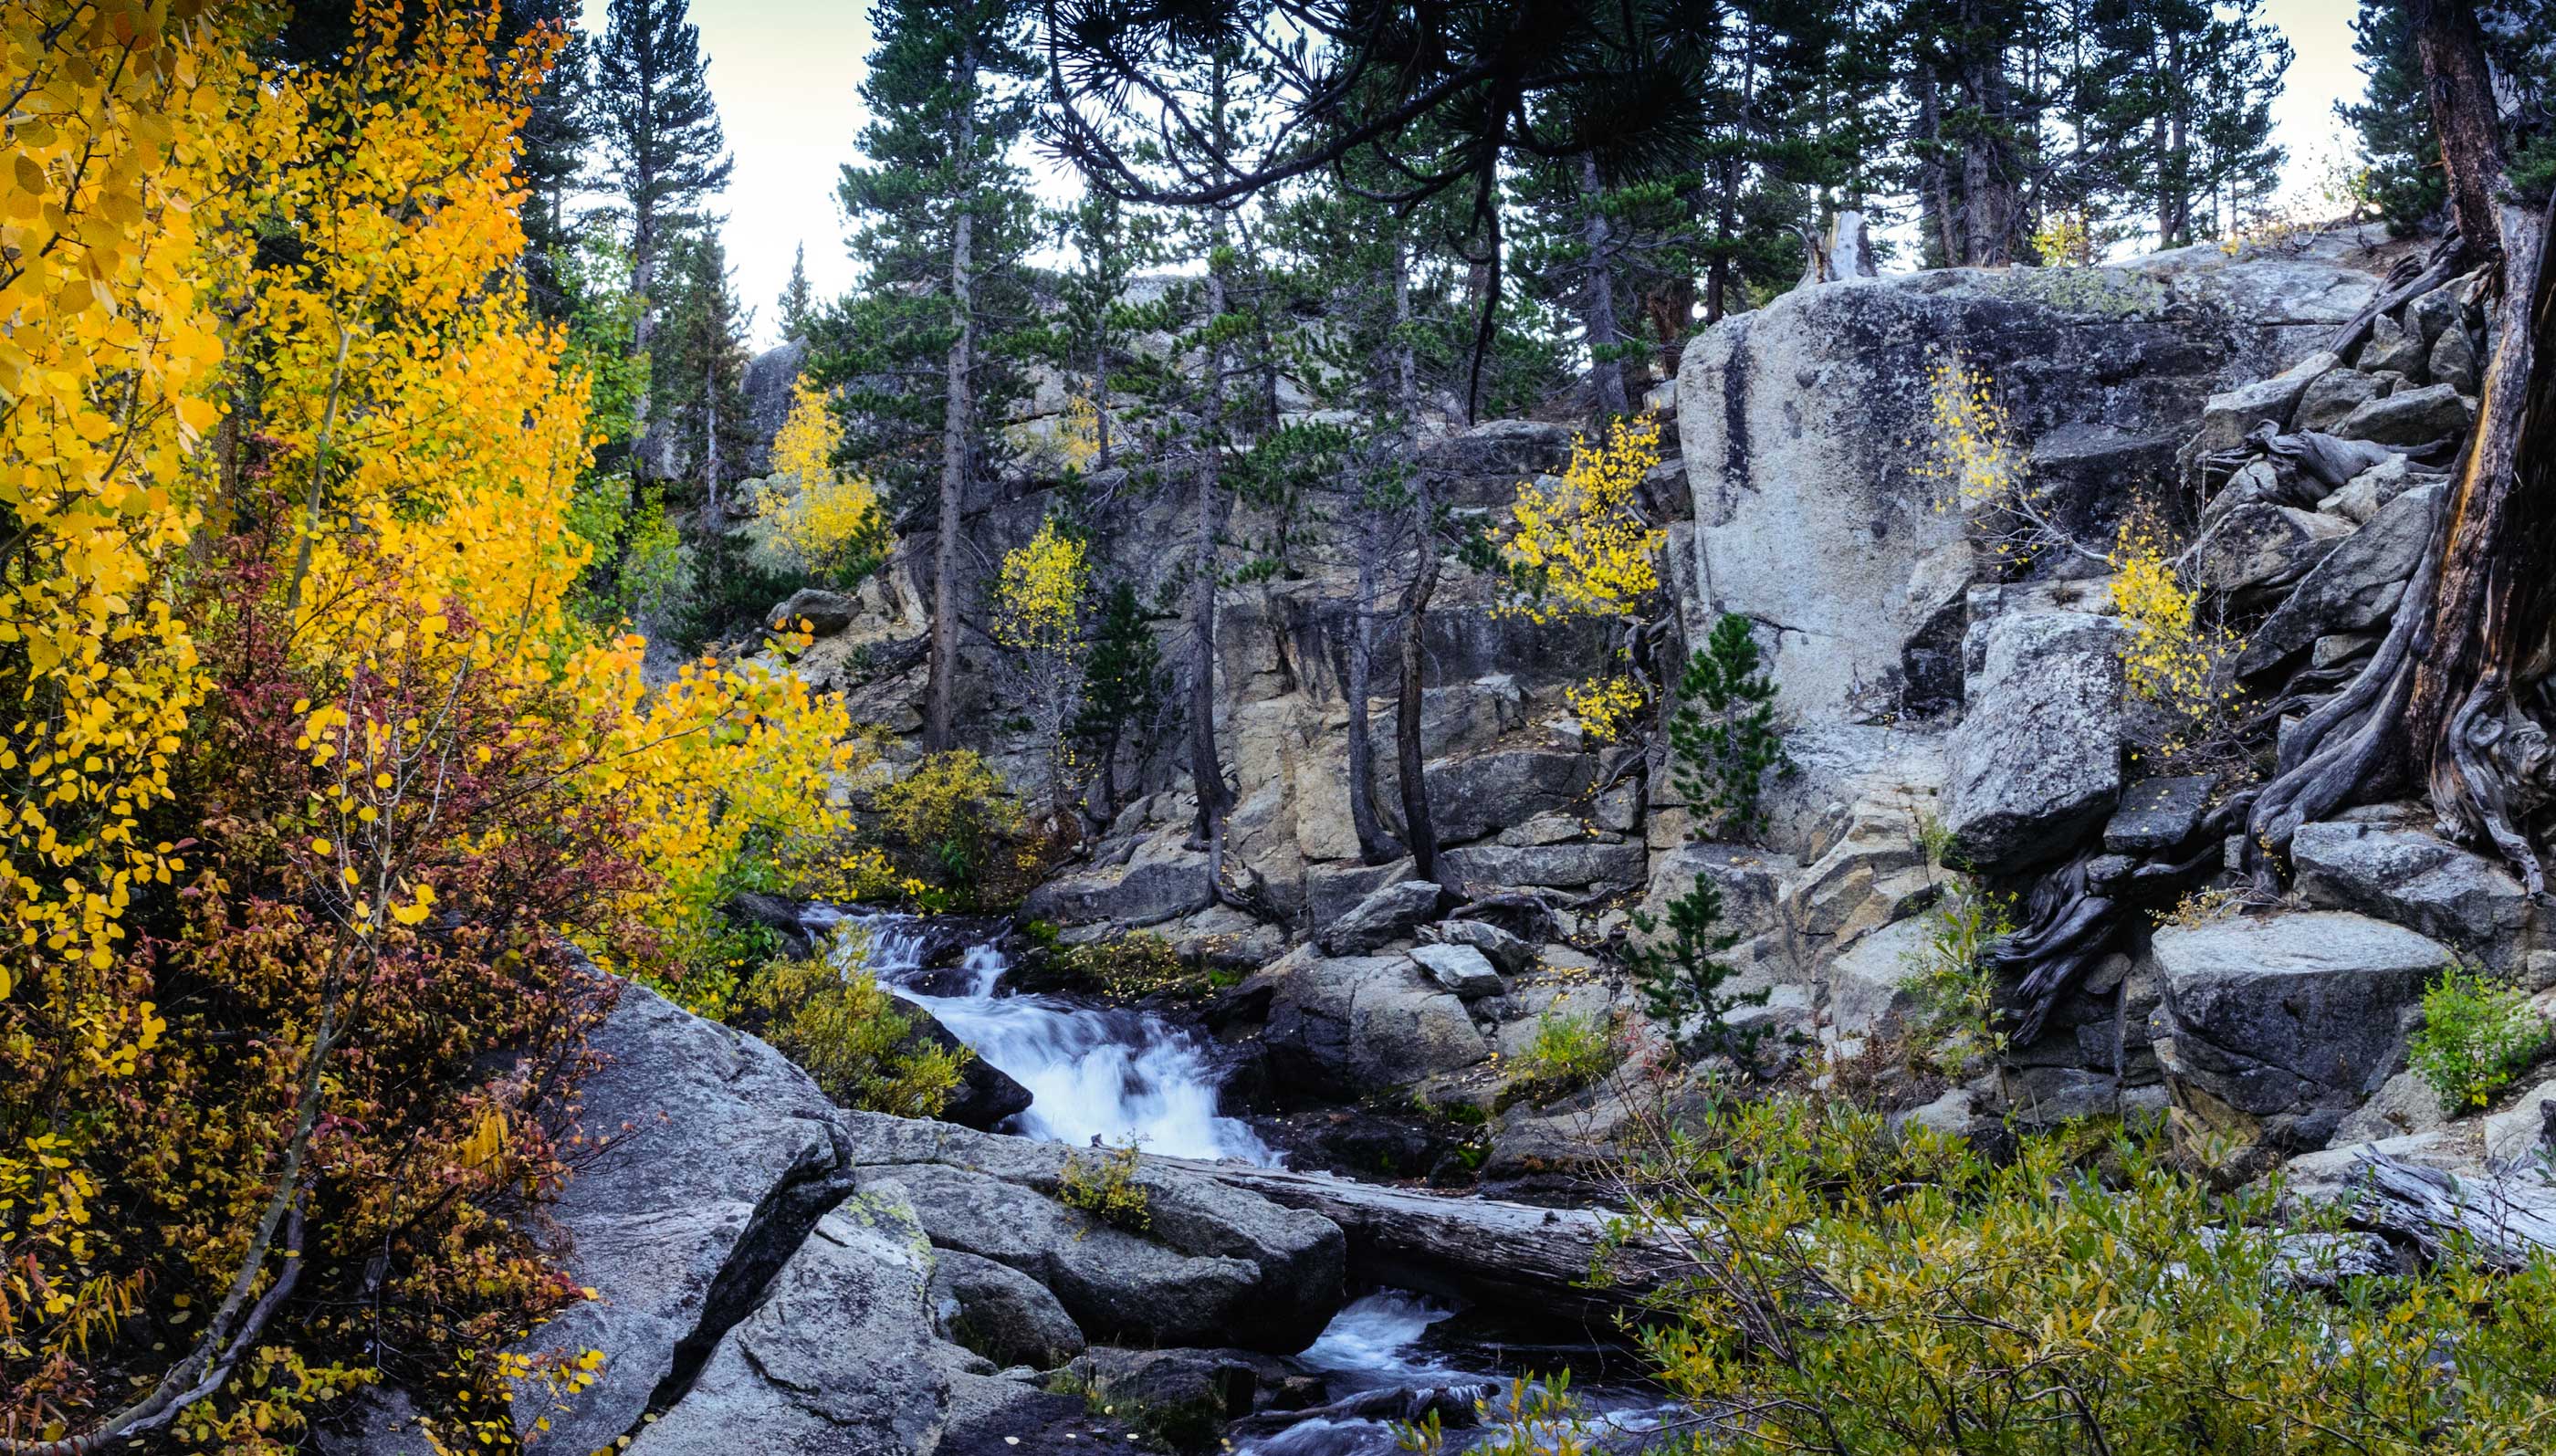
x=1359 y=687
x=940 y=728
x=712 y=509
x=2459 y=81
x=1418 y=833
x=1934 y=181
x=1597 y=302
x=643 y=327
x=1207 y=773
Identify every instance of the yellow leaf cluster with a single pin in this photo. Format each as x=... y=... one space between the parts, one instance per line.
x=823 y=514
x=2170 y=658
x=1039 y=594
x=1971 y=453
x=1575 y=543
x=1607 y=705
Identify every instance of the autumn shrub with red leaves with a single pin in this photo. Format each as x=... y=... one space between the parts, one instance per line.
x=373 y=1033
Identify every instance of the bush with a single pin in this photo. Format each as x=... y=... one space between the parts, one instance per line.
x=851 y=1037
x=1105 y=1187
x=1855 y=1292
x=1123 y=968
x=945 y=817
x=2476 y=1032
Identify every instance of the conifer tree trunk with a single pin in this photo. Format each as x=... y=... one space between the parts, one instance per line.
x=939 y=730
x=1207 y=771
x=1418 y=832
x=1598 y=304
x=1359 y=688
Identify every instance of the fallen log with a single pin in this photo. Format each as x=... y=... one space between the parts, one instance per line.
x=2506 y=1216
x=1481 y=1251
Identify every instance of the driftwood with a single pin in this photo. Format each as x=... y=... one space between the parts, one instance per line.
x=1512 y=1256
x=1453 y=1406
x=2067 y=924
x=2505 y=1215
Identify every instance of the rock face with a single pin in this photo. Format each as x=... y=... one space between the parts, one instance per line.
x=1794 y=419
x=2273 y=1027
x=1000 y=1312
x=1361 y=1023
x=2037 y=758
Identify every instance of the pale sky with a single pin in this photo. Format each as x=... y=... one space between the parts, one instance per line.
x=785 y=72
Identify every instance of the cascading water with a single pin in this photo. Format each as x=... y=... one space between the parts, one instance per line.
x=1093 y=1072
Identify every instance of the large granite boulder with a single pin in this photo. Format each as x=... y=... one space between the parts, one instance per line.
x=1357 y=1024
x=2357 y=586
x=1478 y=795
x=2273 y=1027
x=838 y=1357
x=1796 y=421
x=2260 y=545
x=713 y=1158
x=1387 y=914
x=2416 y=880
x=2037 y=759
x=1546 y=866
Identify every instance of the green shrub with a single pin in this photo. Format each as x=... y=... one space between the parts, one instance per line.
x=1569 y=1052
x=1105 y=1187
x=946 y=818
x=850 y=1036
x=1853 y=1291
x=1951 y=981
x=2476 y=1032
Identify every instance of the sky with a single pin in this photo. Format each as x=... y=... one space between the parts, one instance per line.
x=787 y=74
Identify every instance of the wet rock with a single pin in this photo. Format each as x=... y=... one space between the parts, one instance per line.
x=1358 y=1025
x=2157 y=814
x=1182 y=1397
x=1389 y=914
x=2415 y=879
x=2037 y=758
x=1461 y=969
x=2357 y=587
x=985 y=1094
x=1000 y=1312
x=2256 y=546
x=2273 y=1027
x=2412 y=417
x=838 y=1355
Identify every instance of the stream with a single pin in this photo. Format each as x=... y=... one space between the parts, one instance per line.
x=1120 y=1076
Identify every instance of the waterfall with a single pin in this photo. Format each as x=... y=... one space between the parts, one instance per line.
x=1118 y=1075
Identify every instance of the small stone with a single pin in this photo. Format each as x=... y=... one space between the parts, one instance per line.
x=2157 y=814
x=2340 y=647
x=2433 y=315
x=2391 y=346
x=2454 y=360
x=1461 y=969
x=1511 y=954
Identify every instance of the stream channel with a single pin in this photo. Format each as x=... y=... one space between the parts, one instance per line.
x=1118 y=1076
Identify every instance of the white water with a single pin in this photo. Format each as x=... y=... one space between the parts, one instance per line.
x=1123 y=1077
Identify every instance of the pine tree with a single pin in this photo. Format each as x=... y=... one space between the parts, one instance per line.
x=2394 y=117
x=662 y=152
x=698 y=377
x=943 y=218
x=555 y=135
x=2186 y=88
x=1124 y=691
x=798 y=299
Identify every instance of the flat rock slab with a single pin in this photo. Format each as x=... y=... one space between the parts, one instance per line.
x=2279 y=1013
x=2157 y=814
x=2037 y=759
x=2415 y=879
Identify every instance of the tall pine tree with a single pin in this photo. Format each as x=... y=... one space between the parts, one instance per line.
x=942 y=219
x=662 y=152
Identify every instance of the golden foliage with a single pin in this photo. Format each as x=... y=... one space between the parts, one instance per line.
x=826 y=516
x=1606 y=707
x=1576 y=547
